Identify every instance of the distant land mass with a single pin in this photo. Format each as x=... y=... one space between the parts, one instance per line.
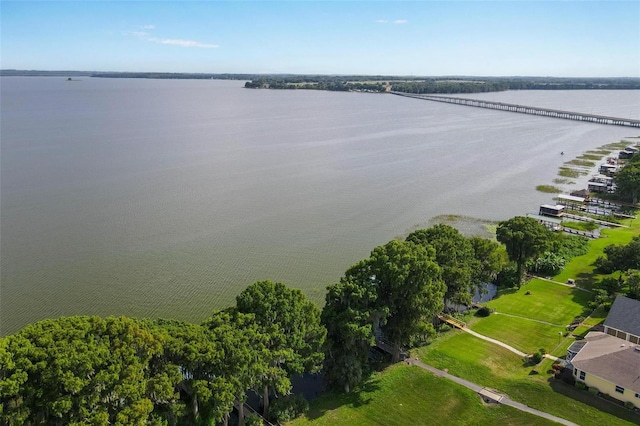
x=370 y=83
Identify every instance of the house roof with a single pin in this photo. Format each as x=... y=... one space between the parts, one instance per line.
x=624 y=315
x=612 y=359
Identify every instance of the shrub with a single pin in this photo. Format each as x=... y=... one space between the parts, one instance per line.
x=484 y=311
x=548 y=264
x=536 y=357
x=581 y=385
x=443 y=328
x=253 y=420
x=287 y=408
x=629 y=405
x=594 y=390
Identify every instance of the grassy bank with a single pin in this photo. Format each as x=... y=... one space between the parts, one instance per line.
x=403 y=395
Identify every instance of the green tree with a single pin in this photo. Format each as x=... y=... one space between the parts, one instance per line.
x=409 y=288
x=295 y=335
x=455 y=256
x=524 y=238
x=632 y=284
x=78 y=370
x=490 y=257
x=620 y=257
x=205 y=367
x=245 y=352
x=627 y=180
x=347 y=316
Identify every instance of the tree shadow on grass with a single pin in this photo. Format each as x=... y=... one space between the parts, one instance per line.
x=358 y=397
x=593 y=400
x=585 y=280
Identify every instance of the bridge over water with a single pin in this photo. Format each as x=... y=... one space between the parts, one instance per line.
x=523 y=109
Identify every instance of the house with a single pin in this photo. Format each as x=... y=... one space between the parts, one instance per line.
x=623 y=320
x=610 y=365
x=610 y=361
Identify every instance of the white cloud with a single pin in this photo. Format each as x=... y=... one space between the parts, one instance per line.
x=143 y=35
x=381 y=21
x=400 y=21
x=184 y=43
x=148 y=27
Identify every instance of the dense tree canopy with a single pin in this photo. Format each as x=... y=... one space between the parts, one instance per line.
x=410 y=290
x=295 y=335
x=524 y=239
x=455 y=255
x=347 y=315
x=627 y=180
x=620 y=257
x=122 y=371
x=85 y=370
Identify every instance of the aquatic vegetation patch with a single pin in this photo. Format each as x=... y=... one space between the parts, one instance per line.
x=563 y=181
x=571 y=172
x=582 y=163
x=590 y=157
x=548 y=188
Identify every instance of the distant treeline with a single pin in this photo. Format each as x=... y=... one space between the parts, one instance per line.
x=371 y=83
x=441 y=85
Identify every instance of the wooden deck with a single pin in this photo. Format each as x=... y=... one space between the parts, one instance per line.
x=451 y=321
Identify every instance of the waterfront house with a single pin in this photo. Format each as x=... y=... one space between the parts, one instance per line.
x=610 y=361
x=623 y=320
x=608 y=364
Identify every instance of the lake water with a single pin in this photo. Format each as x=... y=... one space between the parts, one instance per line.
x=168 y=197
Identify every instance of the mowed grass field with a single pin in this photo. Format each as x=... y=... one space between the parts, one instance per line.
x=489 y=365
x=525 y=335
x=547 y=301
x=581 y=268
x=408 y=395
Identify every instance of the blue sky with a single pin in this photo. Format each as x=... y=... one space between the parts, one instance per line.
x=542 y=38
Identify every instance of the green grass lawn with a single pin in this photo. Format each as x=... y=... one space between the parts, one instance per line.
x=489 y=365
x=581 y=226
x=403 y=395
x=547 y=301
x=524 y=335
x=581 y=268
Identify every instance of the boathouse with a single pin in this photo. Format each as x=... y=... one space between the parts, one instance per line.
x=608 y=169
x=597 y=187
x=549 y=222
x=552 y=211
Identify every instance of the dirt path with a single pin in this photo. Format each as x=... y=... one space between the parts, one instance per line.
x=497 y=342
x=505 y=400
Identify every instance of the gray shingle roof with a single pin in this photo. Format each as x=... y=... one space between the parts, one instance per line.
x=624 y=315
x=610 y=358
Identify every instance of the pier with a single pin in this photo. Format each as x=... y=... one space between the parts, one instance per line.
x=522 y=109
